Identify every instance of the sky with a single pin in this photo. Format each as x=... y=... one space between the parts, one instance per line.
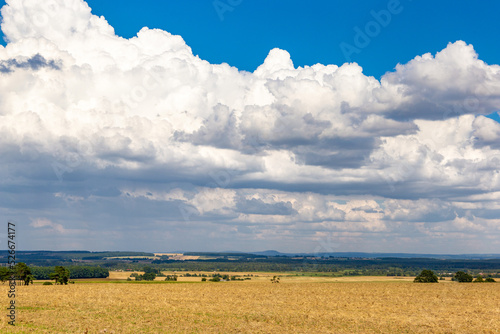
x=238 y=125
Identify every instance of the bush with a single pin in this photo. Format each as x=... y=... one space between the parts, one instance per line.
x=47 y=283
x=426 y=276
x=463 y=277
x=275 y=279
x=203 y=279
x=479 y=279
x=149 y=276
x=489 y=280
x=60 y=275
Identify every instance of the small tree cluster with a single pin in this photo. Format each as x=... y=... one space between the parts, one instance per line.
x=20 y=272
x=480 y=279
x=462 y=277
x=219 y=277
x=149 y=274
x=426 y=276
x=60 y=275
x=275 y=279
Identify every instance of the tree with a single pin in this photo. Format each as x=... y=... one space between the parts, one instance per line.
x=148 y=270
x=60 y=275
x=426 y=276
x=463 y=277
x=479 y=279
x=489 y=280
x=4 y=274
x=149 y=276
x=23 y=272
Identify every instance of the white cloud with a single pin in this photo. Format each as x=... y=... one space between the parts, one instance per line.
x=45 y=223
x=129 y=127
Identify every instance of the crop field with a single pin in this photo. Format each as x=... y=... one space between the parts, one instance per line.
x=297 y=305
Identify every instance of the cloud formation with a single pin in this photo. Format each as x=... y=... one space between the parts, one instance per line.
x=140 y=142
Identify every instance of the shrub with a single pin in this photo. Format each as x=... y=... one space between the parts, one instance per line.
x=463 y=277
x=275 y=279
x=489 y=280
x=203 y=279
x=47 y=283
x=60 y=275
x=479 y=279
x=426 y=276
x=149 y=276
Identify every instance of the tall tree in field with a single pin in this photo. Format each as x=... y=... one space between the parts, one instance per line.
x=4 y=274
x=60 y=275
x=23 y=272
x=426 y=276
x=463 y=277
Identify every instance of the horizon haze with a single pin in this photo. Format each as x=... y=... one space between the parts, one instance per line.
x=249 y=125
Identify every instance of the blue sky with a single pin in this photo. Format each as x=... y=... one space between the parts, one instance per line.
x=150 y=142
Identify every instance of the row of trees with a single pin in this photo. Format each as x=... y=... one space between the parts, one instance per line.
x=464 y=277
x=60 y=274
x=43 y=273
x=149 y=274
x=21 y=272
x=428 y=276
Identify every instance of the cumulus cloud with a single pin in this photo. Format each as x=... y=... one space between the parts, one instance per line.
x=45 y=223
x=126 y=130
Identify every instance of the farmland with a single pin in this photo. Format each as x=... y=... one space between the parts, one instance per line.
x=296 y=305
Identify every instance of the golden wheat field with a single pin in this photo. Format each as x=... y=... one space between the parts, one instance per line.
x=256 y=307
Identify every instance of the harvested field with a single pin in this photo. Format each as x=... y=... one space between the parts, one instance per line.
x=257 y=307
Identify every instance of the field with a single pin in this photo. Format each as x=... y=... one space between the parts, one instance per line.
x=297 y=305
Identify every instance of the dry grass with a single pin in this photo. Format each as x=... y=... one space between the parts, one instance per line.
x=257 y=307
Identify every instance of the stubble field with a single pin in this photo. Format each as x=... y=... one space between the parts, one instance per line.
x=256 y=307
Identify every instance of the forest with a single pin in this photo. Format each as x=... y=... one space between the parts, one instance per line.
x=84 y=264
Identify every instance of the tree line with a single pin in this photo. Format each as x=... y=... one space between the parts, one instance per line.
x=428 y=276
x=61 y=275
x=43 y=273
x=21 y=272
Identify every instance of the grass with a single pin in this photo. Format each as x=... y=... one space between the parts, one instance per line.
x=392 y=306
